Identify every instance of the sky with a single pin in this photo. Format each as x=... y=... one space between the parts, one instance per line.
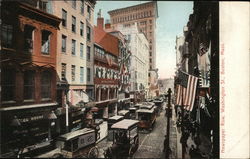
x=173 y=16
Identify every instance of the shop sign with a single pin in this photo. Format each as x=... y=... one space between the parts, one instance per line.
x=86 y=139
x=32 y=118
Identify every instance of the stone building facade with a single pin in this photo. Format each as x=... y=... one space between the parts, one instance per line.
x=139 y=47
x=75 y=59
x=145 y=16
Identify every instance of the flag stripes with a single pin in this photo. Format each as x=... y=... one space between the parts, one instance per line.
x=186 y=93
x=191 y=91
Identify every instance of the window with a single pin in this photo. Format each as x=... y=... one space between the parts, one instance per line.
x=82 y=7
x=74 y=4
x=29 y=85
x=150 y=47
x=73 y=49
x=88 y=74
x=64 y=42
x=73 y=71
x=88 y=53
x=63 y=72
x=150 y=21
x=150 y=60
x=81 y=28
x=88 y=33
x=150 y=53
x=73 y=24
x=45 y=42
x=43 y=5
x=89 y=12
x=64 y=18
x=7 y=35
x=8 y=81
x=81 y=74
x=28 y=38
x=81 y=50
x=149 y=74
x=46 y=84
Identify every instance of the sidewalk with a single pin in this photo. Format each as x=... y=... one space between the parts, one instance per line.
x=205 y=146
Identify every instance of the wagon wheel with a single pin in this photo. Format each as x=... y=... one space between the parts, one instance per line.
x=130 y=152
x=136 y=143
x=93 y=152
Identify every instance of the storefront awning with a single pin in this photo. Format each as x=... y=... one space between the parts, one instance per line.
x=29 y=106
x=124 y=99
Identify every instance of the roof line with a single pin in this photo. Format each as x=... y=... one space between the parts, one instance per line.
x=133 y=7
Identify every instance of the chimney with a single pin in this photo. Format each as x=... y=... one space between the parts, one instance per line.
x=100 y=20
x=107 y=24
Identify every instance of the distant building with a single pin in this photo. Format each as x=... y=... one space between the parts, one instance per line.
x=28 y=75
x=145 y=16
x=165 y=84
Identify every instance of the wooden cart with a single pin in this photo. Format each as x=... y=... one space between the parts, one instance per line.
x=125 y=141
x=80 y=143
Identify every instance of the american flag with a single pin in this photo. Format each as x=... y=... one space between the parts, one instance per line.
x=186 y=90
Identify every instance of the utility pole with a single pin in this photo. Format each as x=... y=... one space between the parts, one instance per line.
x=168 y=125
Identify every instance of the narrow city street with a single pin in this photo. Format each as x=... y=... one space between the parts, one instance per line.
x=151 y=144
x=78 y=74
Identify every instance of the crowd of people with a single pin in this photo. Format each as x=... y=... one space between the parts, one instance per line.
x=189 y=128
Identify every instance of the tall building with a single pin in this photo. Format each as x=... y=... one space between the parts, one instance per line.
x=28 y=76
x=139 y=47
x=145 y=16
x=75 y=58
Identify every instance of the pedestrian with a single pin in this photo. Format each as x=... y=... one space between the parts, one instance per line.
x=175 y=107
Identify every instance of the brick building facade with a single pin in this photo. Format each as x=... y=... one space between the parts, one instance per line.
x=28 y=74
